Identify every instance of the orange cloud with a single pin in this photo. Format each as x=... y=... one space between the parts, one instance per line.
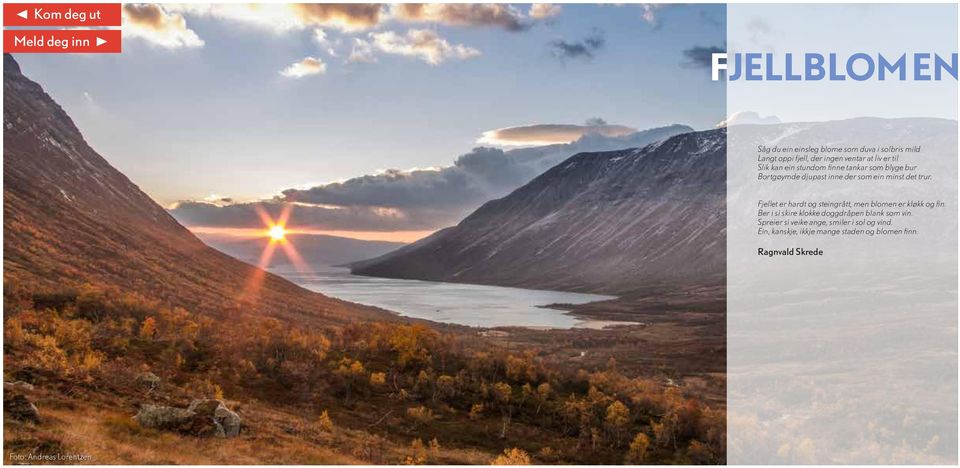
x=544 y=10
x=307 y=66
x=285 y=17
x=424 y=44
x=154 y=24
x=343 y=15
x=462 y=14
x=548 y=134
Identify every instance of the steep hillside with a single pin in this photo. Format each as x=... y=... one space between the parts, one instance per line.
x=71 y=218
x=612 y=222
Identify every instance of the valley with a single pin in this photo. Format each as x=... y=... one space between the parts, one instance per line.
x=128 y=340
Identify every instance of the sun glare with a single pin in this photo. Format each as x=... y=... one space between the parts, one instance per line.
x=278 y=232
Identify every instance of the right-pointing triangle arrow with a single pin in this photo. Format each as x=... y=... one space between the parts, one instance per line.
x=100 y=42
x=23 y=14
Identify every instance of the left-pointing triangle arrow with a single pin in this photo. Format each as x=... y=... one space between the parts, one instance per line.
x=23 y=14
x=100 y=42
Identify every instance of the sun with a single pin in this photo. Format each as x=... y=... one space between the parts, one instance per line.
x=277 y=232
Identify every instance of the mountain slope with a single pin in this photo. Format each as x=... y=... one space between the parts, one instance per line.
x=612 y=222
x=71 y=218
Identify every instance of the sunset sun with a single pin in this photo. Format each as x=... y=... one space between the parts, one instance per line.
x=277 y=232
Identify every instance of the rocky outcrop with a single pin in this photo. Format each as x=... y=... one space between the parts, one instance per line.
x=203 y=418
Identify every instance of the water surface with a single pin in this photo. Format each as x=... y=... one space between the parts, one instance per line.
x=464 y=304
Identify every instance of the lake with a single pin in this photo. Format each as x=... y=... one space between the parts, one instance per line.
x=464 y=304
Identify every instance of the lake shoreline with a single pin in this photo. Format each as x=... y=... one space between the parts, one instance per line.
x=480 y=306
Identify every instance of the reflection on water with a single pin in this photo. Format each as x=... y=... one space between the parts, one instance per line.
x=464 y=304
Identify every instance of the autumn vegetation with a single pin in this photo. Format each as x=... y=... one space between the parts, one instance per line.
x=367 y=392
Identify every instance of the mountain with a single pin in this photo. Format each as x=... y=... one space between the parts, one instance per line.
x=316 y=250
x=607 y=222
x=541 y=158
x=70 y=218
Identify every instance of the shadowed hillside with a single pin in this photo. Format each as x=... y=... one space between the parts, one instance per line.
x=71 y=218
x=612 y=222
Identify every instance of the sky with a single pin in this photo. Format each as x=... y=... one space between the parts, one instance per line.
x=231 y=104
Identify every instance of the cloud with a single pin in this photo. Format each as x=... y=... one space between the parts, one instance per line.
x=470 y=179
x=746 y=118
x=760 y=34
x=546 y=134
x=392 y=200
x=357 y=16
x=544 y=10
x=284 y=17
x=157 y=26
x=321 y=39
x=417 y=199
x=758 y=28
x=650 y=14
x=700 y=57
x=347 y=16
x=462 y=14
x=362 y=51
x=423 y=44
x=307 y=66
x=583 y=49
x=711 y=20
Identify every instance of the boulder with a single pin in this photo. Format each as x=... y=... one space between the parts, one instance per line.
x=18 y=386
x=20 y=408
x=149 y=380
x=228 y=422
x=161 y=417
x=203 y=418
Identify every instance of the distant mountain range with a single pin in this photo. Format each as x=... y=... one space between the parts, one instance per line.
x=70 y=218
x=316 y=250
x=608 y=222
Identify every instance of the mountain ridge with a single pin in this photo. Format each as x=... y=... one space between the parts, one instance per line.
x=603 y=222
x=71 y=219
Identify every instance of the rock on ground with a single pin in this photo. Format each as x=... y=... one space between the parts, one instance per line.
x=203 y=418
x=19 y=385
